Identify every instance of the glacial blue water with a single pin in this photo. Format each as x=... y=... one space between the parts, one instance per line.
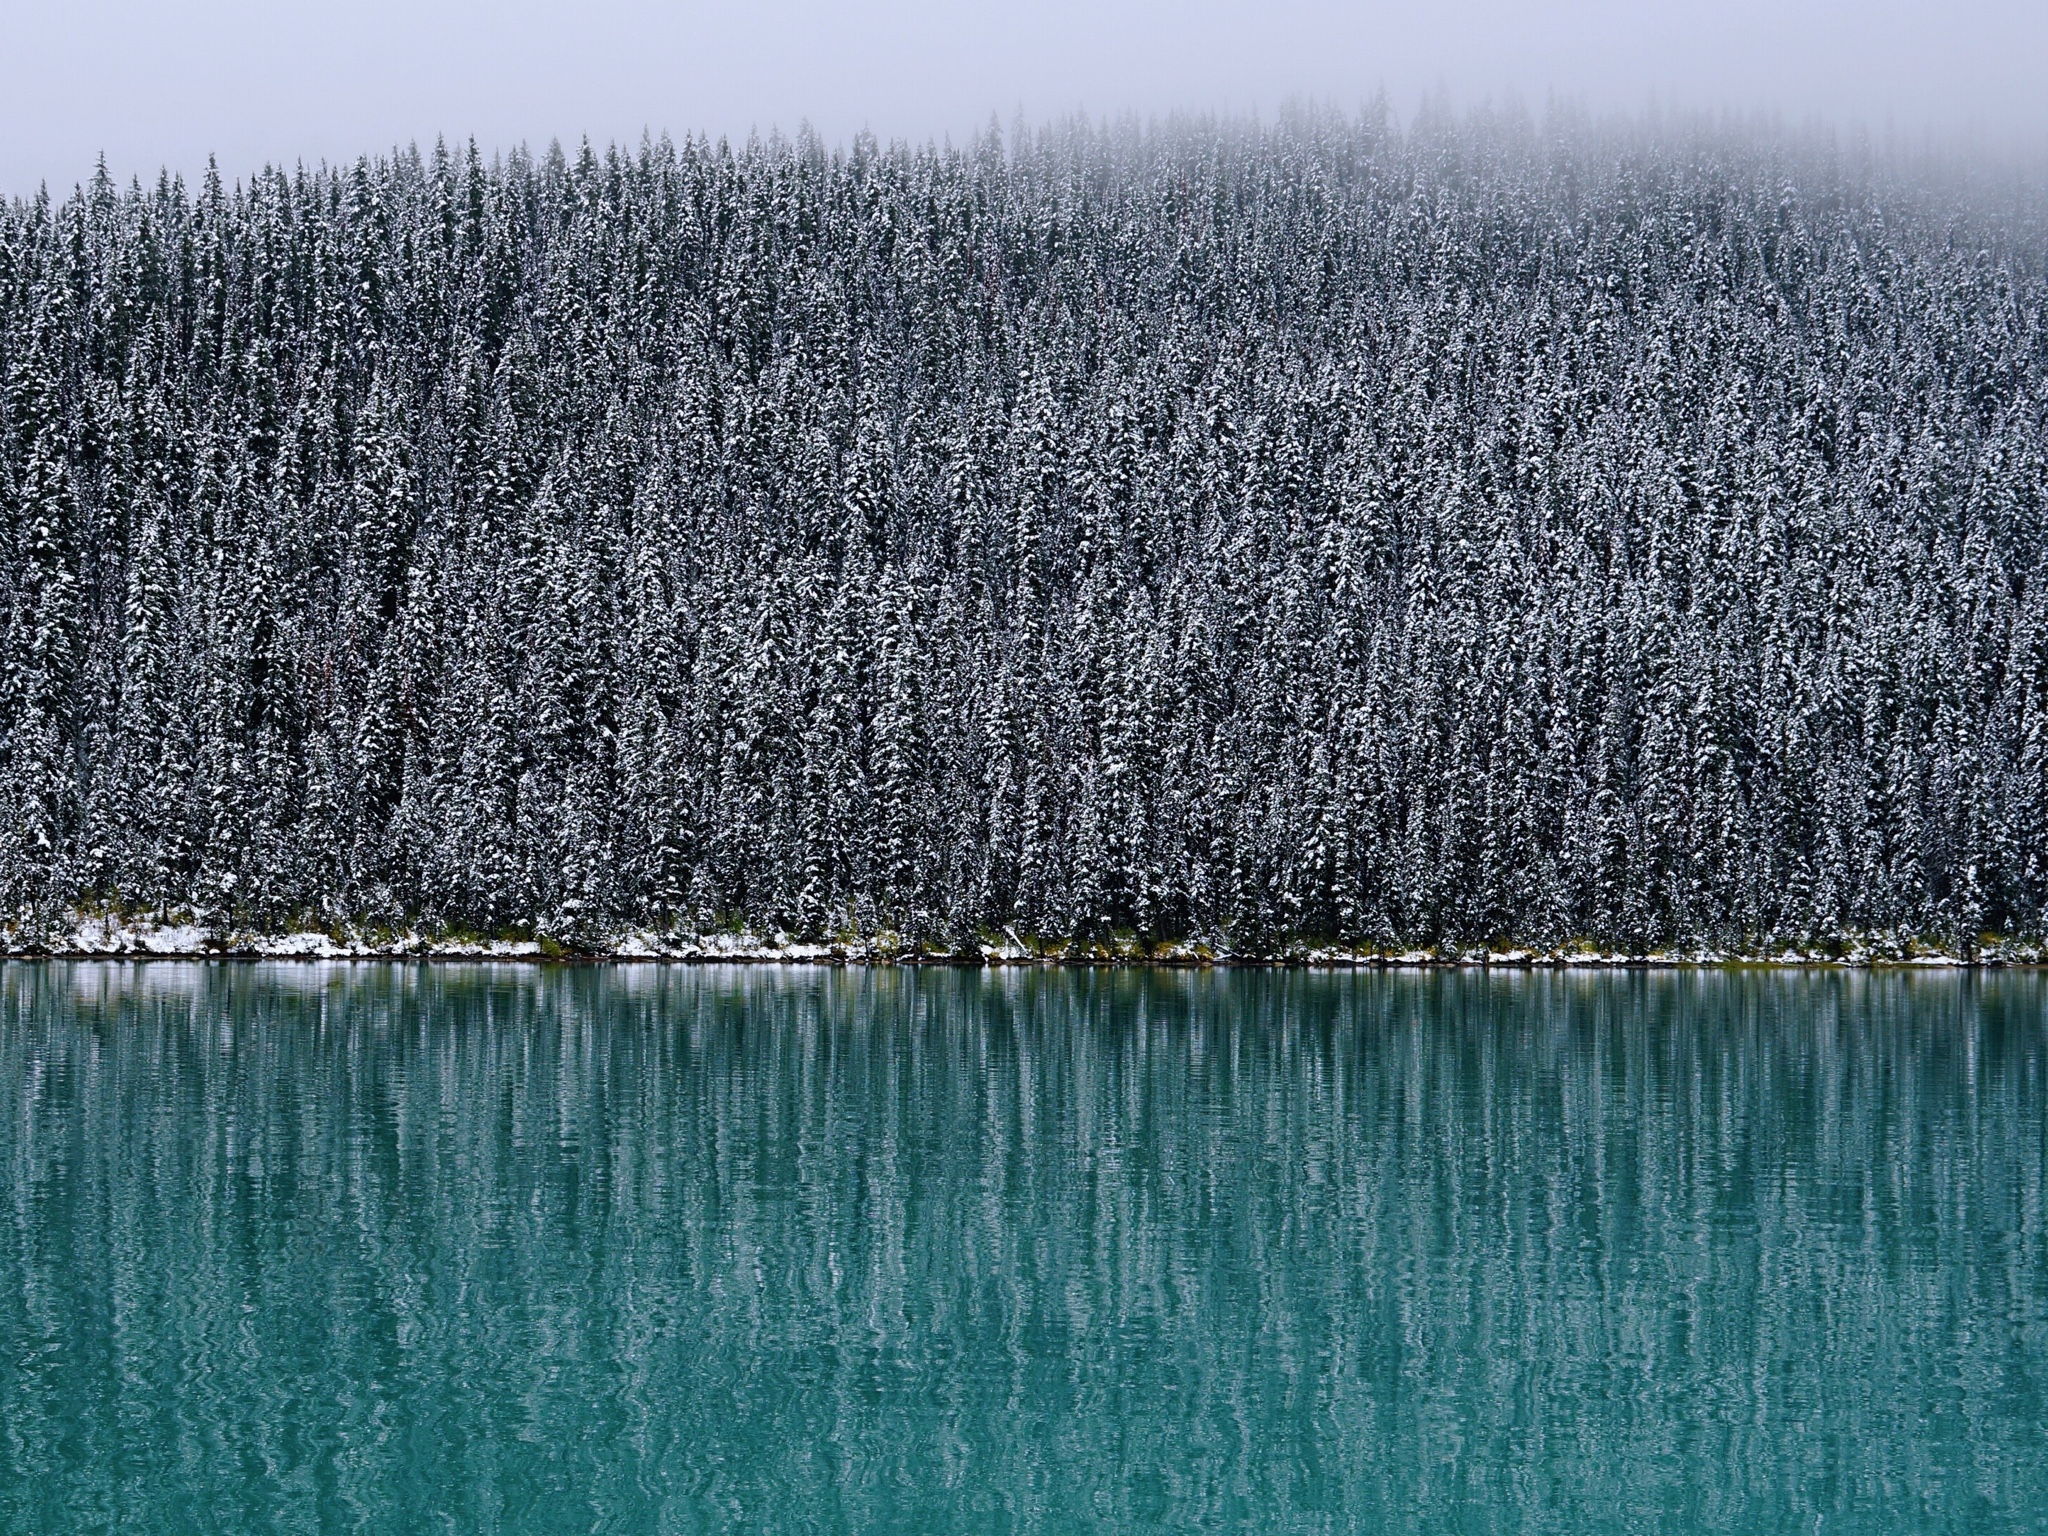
x=453 y=1247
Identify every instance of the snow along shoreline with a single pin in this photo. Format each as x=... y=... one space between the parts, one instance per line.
x=105 y=936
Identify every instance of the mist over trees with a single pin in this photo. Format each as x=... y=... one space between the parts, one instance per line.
x=1456 y=533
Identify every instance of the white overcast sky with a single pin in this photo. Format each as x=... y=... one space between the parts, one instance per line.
x=154 y=84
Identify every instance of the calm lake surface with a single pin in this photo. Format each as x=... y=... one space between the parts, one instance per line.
x=499 y=1248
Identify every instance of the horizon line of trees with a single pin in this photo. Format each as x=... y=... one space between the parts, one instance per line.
x=1468 y=532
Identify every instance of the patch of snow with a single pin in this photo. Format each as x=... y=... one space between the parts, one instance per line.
x=309 y=945
x=176 y=939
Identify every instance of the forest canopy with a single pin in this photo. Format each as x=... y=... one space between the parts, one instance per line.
x=1463 y=532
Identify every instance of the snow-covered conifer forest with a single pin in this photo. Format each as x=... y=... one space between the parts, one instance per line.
x=1457 y=533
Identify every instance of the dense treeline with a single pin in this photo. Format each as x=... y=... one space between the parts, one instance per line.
x=1461 y=532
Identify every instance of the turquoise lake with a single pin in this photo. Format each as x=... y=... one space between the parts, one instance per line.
x=466 y=1248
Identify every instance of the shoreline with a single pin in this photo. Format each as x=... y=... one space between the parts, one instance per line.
x=103 y=937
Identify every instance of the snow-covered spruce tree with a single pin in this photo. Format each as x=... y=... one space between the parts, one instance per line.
x=1479 y=533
